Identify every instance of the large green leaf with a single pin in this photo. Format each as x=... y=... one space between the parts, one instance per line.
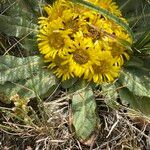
x=138 y=103
x=84 y=113
x=23 y=22
x=135 y=77
x=14 y=68
x=39 y=85
x=17 y=26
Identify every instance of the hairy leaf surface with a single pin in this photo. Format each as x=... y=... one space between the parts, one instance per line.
x=137 y=78
x=84 y=113
x=14 y=68
x=136 y=102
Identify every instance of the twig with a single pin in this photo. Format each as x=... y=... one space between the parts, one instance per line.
x=114 y=125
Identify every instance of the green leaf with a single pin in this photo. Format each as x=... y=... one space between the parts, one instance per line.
x=28 y=9
x=138 y=103
x=80 y=84
x=146 y=49
x=136 y=78
x=17 y=26
x=139 y=62
x=106 y=13
x=143 y=40
x=5 y=98
x=134 y=62
x=84 y=113
x=15 y=8
x=32 y=6
x=36 y=7
x=14 y=68
x=109 y=91
x=27 y=12
x=38 y=85
x=143 y=43
x=30 y=45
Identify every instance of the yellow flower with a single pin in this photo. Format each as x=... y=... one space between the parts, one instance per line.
x=71 y=21
x=79 y=42
x=55 y=11
x=108 y=5
x=106 y=70
x=61 y=67
x=52 y=39
x=81 y=56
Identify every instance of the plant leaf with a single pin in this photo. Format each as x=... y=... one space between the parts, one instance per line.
x=15 y=8
x=36 y=7
x=38 y=85
x=146 y=49
x=141 y=104
x=17 y=26
x=143 y=43
x=136 y=78
x=30 y=45
x=28 y=9
x=84 y=113
x=143 y=40
x=13 y=68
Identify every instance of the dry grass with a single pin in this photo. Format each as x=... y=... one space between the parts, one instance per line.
x=52 y=129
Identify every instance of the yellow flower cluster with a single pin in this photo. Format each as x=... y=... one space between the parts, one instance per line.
x=79 y=42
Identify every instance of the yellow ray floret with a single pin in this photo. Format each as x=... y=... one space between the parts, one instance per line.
x=81 y=56
x=60 y=67
x=106 y=70
x=79 y=42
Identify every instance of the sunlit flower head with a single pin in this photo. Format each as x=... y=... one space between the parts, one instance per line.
x=81 y=56
x=79 y=42
x=106 y=70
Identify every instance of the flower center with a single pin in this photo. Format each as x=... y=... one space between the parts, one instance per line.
x=58 y=60
x=56 y=40
x=80 y=56
x=103 y=68
x=95 y=34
